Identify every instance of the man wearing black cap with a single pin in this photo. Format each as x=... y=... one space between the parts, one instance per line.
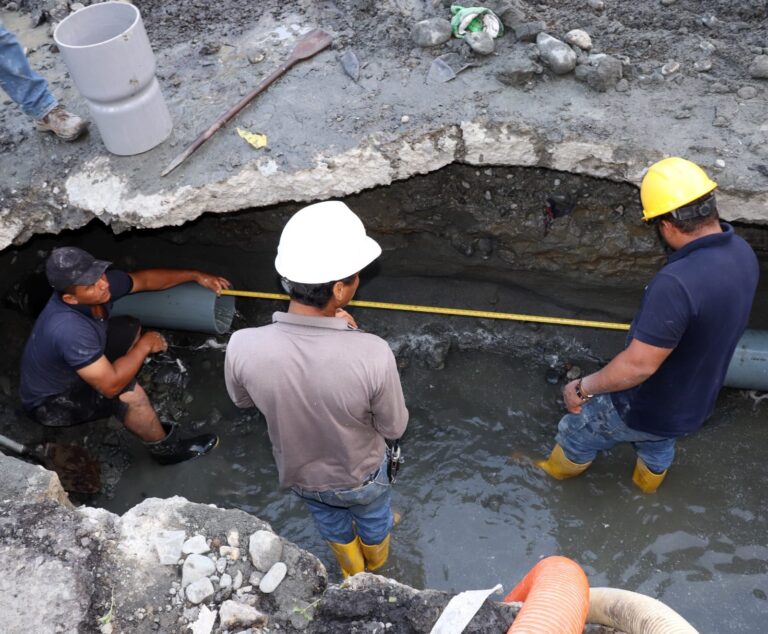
x=79 y=365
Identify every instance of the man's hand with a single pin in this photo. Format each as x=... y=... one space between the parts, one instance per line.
x=154 y=341
x=572 y=402
x=216 y=283
x=343 y=314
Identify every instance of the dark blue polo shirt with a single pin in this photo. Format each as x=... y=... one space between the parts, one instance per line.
x=64 y=339
x=698 y=304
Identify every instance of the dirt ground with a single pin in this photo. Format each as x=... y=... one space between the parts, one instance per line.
x=329 y=135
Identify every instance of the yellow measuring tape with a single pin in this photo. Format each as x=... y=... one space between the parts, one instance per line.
x=458 y=312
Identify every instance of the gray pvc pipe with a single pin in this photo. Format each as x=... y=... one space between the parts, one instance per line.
x=110 y=60
x=634 y=613
x=749 y=367
x=185 y=307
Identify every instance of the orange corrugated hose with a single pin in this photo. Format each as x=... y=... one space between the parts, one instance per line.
x=555 y=593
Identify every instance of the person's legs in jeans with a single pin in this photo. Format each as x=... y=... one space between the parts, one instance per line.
x=374 y=526
x=580 y=436
x=335 y=525
x=32 y=93
x=355 y=522
x=17 y=78
x=654 y=456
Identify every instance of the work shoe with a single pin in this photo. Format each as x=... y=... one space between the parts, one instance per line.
x=376 y=555
x=173 y=449
x=63 y=124
x=349 y=556
x=645 y=479
x=559 y=467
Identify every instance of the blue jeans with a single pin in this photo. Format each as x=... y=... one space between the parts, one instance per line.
x=17 y=78
x=599 y=427
x=365 y=510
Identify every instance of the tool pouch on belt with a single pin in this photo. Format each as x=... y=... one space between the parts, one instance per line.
x=394 y=460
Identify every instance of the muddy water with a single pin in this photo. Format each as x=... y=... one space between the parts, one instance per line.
x=475 y=510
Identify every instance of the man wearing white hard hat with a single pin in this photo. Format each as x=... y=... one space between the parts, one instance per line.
x=330 y=393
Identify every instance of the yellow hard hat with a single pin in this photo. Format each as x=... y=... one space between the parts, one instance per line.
x=672 y=183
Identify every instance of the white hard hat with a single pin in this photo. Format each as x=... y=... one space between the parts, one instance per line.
x=324 y=242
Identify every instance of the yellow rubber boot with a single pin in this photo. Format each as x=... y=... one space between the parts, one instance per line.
x=349 y=556
x=376 y=555
x=559 y=467
x=645 y=479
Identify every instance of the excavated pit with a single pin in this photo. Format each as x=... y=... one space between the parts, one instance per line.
x=483 y=394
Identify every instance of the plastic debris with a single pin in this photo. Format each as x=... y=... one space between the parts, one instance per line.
x=461 y=609
x=350 y=64
x=254 y=138
x=440 y=71
x=446 y=67
x=475 y=19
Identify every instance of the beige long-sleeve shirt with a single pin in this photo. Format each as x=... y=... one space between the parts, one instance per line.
x=330 y=394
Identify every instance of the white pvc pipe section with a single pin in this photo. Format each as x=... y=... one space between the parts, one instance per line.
x=110 y=60
x=749 y=367
x=634 y=613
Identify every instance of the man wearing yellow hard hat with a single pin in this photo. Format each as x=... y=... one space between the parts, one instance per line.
x=664 y=384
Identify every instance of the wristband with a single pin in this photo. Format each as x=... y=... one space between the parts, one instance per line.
x=581 y=393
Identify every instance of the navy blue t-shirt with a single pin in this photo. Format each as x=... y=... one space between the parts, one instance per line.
x=698 y=304
x=64 y=339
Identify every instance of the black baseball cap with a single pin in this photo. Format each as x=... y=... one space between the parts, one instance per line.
x=70 y=266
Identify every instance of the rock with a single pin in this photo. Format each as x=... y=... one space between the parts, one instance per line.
x=579 y=38
x=196 y=545
x=210 y=48
x=351 y=65
x=265 y=549
x=230 y=553
x=669 y=68
x=169 y=546
x=75 y=6
x=747 y=92
x=573 y=373
x=518 y=72
x=225 y=581
x=237 y=582
x=480 y=42
x=233 y=538
x=273 y=578
x=11 y=6
x=702 y=65
x=239 y=615
x=622 y=85
x=432 y=32
x=511 y=16
x=596 y=5
x=25 y=481
x=556 y=54
x=199 y=591
x=205 y=621
x=666 y=3
x=221 y=564
x=195 y=567
x=528 y=31
x=707 y=46
x=255 y=578
x=601 y=73
x=758 y=69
